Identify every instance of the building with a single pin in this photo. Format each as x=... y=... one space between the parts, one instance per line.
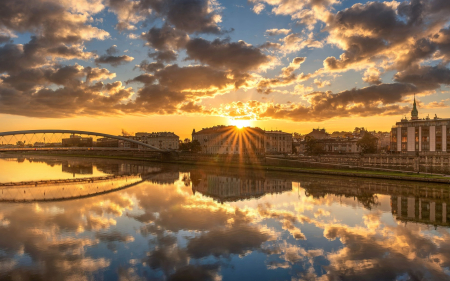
x=225 y=188
x=278 y=142
x=384 y=140
x=333 y=146
x=39 y=144
x=340 y=145
x=107 y=142
x=318 y=134
x=230 y=140
x=161 y=140
x=77 y=141
x=421 y=135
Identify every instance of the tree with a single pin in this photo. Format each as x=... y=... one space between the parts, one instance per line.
x=20 y=143
x=313 y=146
x=294 y=149
x=196 y=146
x=368 y=143
x=193 y=146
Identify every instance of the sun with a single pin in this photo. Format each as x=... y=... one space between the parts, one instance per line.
x=240 y=123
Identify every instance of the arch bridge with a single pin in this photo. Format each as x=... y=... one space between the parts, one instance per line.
x=38 y=135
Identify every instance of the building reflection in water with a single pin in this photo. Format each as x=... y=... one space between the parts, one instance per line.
x=77 y=168
x=410 y=202
x=204 y=223
x=228 y=188
x=434 y=211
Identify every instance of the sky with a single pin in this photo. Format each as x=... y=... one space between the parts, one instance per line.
x=176 y=65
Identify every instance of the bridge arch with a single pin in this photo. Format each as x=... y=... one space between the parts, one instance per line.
x=28 y=132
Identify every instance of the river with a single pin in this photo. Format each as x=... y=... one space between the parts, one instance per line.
x=181 y=222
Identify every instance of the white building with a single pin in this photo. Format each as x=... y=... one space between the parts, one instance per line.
x=278 y=142
x=161 y=140
x=421 y=135
x=230 y=140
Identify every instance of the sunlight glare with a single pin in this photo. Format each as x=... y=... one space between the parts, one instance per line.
x=240 y=123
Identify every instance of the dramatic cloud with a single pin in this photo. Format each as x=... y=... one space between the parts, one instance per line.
x=50 y=67
x=321 y=84
x=402 y=35
x=425 y=77
x=275 y=31
x=236 y=56
x=286 y=78
x=381 y=99
x=113 y=60
x=258 y=8
x=165 y=38
x=372 y=76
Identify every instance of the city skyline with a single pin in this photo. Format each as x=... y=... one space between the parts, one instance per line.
x=178 y=65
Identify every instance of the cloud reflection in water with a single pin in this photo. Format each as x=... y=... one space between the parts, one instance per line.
x=188 y=223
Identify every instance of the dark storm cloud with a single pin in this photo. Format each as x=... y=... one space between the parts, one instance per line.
x=143 y=78
x=377 y=100
x=113 y=236
x=15 y=57
x=30 y=78
x=112 y=50
x=442 y=40
x=367 y=246
x=51 y=20
x=93 y=74
x=237 y=56
x=63 y=102
x=164 y=56
x=193 y=78
x=425 y=77
x=370 y=31
x=165 y=38
x=150 y=67
x=113 y=60
x=177 y=89
x=196 y=272
x=191 y=16
x=225 y=242
x=326 y=105
x=4 y=39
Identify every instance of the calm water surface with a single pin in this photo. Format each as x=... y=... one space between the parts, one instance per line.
x=185 y=223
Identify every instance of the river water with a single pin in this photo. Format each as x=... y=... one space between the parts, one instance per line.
x=206 y=223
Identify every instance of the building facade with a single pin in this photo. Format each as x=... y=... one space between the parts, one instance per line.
x=278 y=142
x=319 y=134
x=230 y=189
x=161 y=140
x=421 y=135
x=107 y=142
x=333 y=146
x=230 y=140
x=77 y=141
x=340 y=145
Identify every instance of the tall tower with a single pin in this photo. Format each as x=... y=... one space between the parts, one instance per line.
x=414 y=111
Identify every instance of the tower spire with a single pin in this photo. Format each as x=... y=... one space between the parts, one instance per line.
x=414 y=111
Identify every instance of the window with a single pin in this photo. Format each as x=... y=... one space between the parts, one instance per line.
x=438 y=138
x=425 y=138
x=448 y=137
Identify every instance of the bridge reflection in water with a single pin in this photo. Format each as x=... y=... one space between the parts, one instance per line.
x=276 y=225
x=55 y=190
x=409 y=202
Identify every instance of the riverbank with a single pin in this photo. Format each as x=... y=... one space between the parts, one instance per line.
x=359 y=173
